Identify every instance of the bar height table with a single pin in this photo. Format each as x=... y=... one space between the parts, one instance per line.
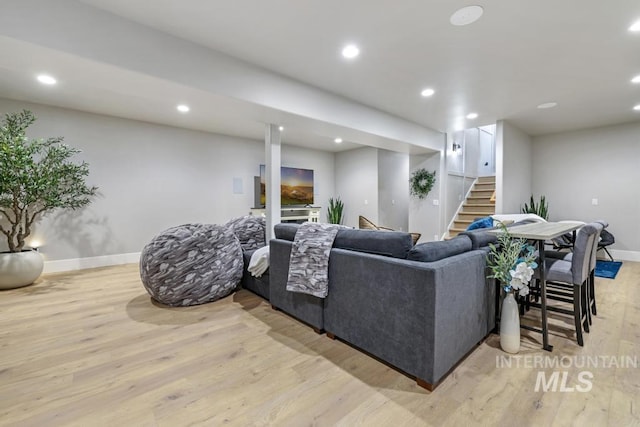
x=540 y=232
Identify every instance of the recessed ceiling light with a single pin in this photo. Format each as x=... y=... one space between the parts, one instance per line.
x=350 y=51
x=183 y=108
x=281 y=128
x=635 y=27
x=547 y=105
x=472 y=116
x=637 y=107
x=466 y=15
x=636 y=79
x=46 y=79
x=338 y=140
x=427 y=92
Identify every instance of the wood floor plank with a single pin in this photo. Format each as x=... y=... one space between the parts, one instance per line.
x=90 y=348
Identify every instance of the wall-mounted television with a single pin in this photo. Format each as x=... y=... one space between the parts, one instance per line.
x=296 y=186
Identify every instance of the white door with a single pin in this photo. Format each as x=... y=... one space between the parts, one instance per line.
x=486 y=159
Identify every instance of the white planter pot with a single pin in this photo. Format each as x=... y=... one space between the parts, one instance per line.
x=510 y=325
x=19 y=268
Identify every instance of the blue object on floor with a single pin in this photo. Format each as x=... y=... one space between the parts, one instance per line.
x=607 y=269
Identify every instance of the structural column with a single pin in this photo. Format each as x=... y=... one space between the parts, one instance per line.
x=272 y=178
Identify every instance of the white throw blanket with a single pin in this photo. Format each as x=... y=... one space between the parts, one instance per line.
x=259 y=262
x=507 y=219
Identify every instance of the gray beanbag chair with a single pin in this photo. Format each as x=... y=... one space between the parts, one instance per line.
x=191 y=264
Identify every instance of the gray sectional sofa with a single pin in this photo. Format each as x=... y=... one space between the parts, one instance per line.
x=257 y=285
x=420 y=309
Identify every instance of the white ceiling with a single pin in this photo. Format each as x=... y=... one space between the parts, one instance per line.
x=517 y=56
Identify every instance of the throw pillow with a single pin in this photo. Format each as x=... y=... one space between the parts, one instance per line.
x=486 y=222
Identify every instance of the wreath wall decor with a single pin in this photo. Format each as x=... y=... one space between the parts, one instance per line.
x=421 y=183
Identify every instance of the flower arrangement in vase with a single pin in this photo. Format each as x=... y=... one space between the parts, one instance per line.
x=512 y=262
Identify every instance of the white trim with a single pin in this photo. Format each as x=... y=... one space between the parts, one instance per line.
x=92 y=262
x=620 y=255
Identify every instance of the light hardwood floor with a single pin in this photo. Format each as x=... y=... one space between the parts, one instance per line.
x=89 y=348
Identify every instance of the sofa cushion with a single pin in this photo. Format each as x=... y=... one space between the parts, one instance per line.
x=395 y=244
x=434 y=251
x=480 y=238
x=286 y=230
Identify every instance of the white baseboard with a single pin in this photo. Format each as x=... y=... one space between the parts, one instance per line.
x=118 y=259
x=620 y=255
x=92 y=262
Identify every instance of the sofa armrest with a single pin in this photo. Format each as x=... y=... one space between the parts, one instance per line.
x=304 y=307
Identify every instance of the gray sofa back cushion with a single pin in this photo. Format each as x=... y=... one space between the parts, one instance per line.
x=396 y=244
x=286 y=231
x=434 y=251
x=480 y=238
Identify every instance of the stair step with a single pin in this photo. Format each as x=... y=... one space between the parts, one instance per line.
x=479 y=201
x=482 y=209
x=464 y=221
x=478 y=204
x=471 y=216
x=458 y=226
x=485 y=179
x=482 y=193
x=485 y=184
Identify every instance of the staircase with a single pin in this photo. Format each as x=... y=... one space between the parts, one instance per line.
x=480 y=203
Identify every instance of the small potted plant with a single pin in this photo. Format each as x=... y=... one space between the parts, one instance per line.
x=541 y=209
x=37 y=177
x=334 y=211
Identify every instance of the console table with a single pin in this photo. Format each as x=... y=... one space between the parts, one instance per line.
x=540 y=232
x=293 y=213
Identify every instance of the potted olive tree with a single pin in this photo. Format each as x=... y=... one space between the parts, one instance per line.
x=37 y=176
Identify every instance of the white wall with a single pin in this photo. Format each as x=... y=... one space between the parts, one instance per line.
x=323 y=165
x=152 y=177
x=471 y=151
x=393 y=189
x=356 y=184
x=486 y=157
x=455 y=159
x=573 y=168
x=368 y=179
x=513 y=168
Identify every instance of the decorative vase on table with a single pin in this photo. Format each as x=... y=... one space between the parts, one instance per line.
x=510 y=324
x=511 y=261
